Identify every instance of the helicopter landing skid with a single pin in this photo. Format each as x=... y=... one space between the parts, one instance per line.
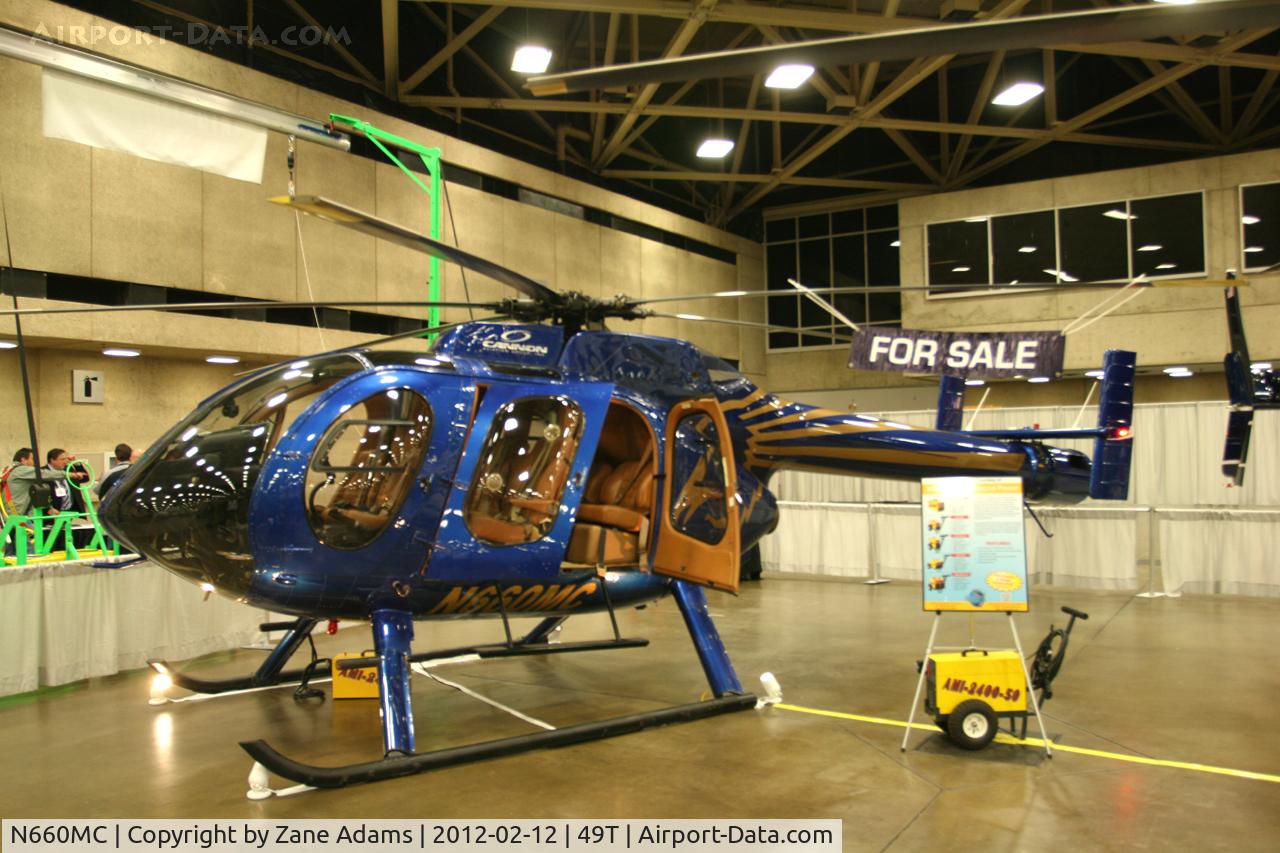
x=406 y=765
x=271 y=673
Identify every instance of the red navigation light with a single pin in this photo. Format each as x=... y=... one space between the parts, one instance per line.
x=1121 y=433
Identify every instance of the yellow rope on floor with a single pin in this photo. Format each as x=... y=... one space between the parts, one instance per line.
x=1038 y=743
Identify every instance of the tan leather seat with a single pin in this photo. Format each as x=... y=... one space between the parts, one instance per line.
x=613 y=519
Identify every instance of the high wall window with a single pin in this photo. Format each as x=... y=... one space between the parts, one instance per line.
x=1260 y=226
x=1115 y=241
x=845 y=249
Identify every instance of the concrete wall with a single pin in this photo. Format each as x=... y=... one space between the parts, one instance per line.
x=1170 y=326
x=83 y=211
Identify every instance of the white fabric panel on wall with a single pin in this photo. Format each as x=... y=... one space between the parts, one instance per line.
x=1223 y=551
x=105 y=116
x=1094 y=548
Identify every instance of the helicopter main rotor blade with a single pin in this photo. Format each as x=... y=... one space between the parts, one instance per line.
x=1122 y=23
x=425 y=330
x=984 y=290
x=246 y=306
x=367 y=223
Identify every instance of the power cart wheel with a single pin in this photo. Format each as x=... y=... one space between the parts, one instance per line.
x=972 y=724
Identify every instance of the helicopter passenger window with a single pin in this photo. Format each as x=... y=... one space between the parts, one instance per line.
x=522 y=470
x=698 y=496
x=362 y=468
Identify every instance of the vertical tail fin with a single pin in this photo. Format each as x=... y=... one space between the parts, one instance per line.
x=1113 y=450
x=1240 y=393
x=950 y=403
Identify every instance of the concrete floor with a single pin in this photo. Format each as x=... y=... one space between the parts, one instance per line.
x=1192 y=679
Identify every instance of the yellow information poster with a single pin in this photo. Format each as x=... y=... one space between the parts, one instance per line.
x=974 y=544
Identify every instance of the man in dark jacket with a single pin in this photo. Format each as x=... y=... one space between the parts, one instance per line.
x=125 y=456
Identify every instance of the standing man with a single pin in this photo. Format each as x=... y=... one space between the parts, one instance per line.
x=125 y=456
x=65 y=498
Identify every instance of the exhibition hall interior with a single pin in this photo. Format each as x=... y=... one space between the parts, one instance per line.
x=835 y=410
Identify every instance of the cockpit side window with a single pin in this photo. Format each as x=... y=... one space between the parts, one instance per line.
x=362 y=469
x=522 y=470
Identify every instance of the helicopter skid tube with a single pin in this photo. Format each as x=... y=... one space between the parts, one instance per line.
x=269 y=674
x=407 y=765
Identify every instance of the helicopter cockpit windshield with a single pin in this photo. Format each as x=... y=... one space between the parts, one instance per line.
x=186 y=503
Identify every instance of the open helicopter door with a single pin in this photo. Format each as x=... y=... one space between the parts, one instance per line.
x=699 y=535
x=522 y=476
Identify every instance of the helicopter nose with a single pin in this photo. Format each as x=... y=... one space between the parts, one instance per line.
x=188 y=507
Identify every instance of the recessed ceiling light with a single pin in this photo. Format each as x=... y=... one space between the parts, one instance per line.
x=122 y=353
x=959 y=269
x=976 y=219
x=1038 y=379
x=1150 y=247
x=1260 y=365
x=1252 y=249
x=1179 y=374
x=896 y=243
x=222 y=359
x=1116 y=213
x=1250 y=220
x=1177 y=369
x=1026 y=250
x=1067 y=277
x=530 y=59
x=1053 y=273
x=789 y=76
x=1095 y=374
x=1165 y=266
x=713 y=148
x=7 y=345
x=1017 y=94
x=1176 y=2
x=691 y=317
x=975 y=382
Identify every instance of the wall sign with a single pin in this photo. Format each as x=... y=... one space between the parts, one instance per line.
x=87 y=387
x=974 y=544
x=991 y=355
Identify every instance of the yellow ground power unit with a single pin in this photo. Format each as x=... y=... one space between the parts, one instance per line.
x=359 y=683
x=968 y=692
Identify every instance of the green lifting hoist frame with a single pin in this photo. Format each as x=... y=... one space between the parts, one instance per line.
x=431 y=160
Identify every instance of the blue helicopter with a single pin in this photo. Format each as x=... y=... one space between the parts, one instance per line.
x=533 y=463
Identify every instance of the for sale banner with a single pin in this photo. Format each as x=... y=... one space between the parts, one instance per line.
x=978 y=355
x=974 y=544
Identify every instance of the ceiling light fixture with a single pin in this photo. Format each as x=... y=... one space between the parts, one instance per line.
x=789 y=76
x=1017 y=94
x=959 y=269
x=896 y=243
x=1176 y=369
x=1260 y=365
x=7 y=345
x=222 y=359
x=1250 y=220
x=530 y=59
x=711 y=149
x=1116 y=213
x=1150 y=247
x=122 y=353
x=1165 y=266
x=1026 y=250
x=1094 y=374
x=1252 y=249
x=1037 y=380
x=974 y=382
x=976 y=219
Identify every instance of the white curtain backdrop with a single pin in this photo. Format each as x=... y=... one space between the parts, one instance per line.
x=825 y=521
x=65 y=622
x=1090 y=547
x=1224 y=551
